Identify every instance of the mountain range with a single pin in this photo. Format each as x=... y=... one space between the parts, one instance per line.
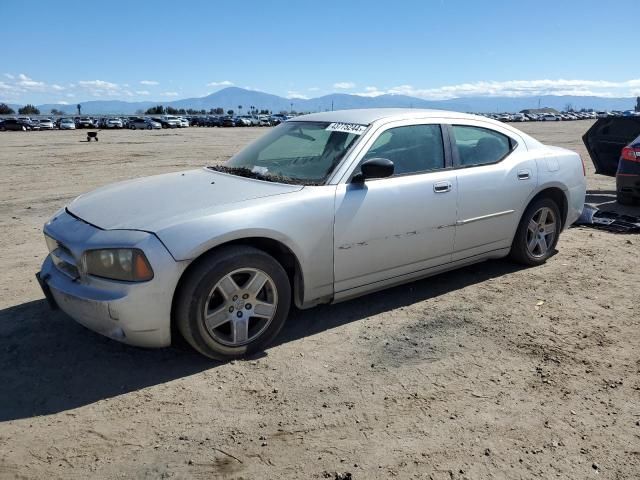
x=229 y=99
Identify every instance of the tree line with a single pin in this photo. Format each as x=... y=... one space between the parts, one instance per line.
x=162 y=110
x=26 y=110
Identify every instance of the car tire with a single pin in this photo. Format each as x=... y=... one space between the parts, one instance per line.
x=133 y=127
x=624 y=199
x=232 y=330
x=537 y=234
x=149 y=127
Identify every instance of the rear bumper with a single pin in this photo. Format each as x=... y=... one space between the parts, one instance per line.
x=628 y=178
x=628 y=184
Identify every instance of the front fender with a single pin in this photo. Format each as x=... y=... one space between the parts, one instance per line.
x=302 y=221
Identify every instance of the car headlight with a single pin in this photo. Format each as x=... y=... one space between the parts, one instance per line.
x=126 y=264
x=51 y=243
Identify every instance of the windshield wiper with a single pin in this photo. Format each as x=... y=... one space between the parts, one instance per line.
x=248 y=173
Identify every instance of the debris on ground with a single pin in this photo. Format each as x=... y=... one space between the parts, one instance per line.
x=610 y=221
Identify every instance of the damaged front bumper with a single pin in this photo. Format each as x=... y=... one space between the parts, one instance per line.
x=133 y=313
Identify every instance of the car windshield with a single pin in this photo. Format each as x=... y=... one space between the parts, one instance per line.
x=295 y=152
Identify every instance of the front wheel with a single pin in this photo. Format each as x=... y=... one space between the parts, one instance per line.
x=537 y=233
x=233 y=302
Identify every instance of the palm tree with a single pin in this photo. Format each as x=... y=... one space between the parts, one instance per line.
x=240 y=109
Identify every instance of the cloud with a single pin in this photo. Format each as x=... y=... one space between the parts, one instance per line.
x=224 y=83
x=29 y=83
x=101 y=88
x=344 y=85
x=98 y=84
x=170 y=94
x=149 y=82
x=298 y=95
x=21 y=87
x=513 y=88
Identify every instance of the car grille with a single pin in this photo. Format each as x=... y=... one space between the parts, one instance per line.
x=62 y=258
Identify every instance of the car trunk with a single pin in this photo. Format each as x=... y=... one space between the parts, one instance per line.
x=605 y=140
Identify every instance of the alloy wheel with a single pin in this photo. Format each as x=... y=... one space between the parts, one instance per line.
x=541 y=232
x=240 y=307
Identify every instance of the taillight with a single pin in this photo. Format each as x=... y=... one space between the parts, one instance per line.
x=631 y=154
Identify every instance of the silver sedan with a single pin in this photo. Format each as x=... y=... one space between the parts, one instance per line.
x=323 y=208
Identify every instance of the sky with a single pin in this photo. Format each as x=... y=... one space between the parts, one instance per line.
x=72 y=51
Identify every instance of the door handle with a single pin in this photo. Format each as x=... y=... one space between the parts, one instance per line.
x=524 y=174
x=442 y=187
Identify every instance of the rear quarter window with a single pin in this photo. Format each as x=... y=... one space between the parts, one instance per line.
x=480 y=146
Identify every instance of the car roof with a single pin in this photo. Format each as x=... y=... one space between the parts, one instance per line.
x=367 y=116
x=370 y=115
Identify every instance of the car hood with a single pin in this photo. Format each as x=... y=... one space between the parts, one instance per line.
x=152 y=203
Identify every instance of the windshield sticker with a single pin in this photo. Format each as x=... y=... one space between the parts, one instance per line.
x=347 y=128
x=260 y=170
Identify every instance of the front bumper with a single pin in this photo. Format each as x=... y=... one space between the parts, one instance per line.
x=133 y=313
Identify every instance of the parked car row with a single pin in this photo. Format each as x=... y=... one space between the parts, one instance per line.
x=237 y=121
x=616 y=113
x=557 y=116
x=540 y=117
x=72 y=123
x=142 y=123
x=174 y=121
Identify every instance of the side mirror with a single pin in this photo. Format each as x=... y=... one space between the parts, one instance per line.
x=374 y=168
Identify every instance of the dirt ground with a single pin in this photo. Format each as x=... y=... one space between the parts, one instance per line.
x=492 y=371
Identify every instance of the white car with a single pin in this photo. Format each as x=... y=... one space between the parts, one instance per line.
x=323 y=208
x=184 y=123
x=67 y=124
x=45 y=124
x=113 y=123
x=170 y=121
x=550 y=117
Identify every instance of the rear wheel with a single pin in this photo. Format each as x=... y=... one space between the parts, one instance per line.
x=233 y=303
x=537 y=234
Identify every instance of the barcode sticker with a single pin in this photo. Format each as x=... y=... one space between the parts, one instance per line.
x=354 y=128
